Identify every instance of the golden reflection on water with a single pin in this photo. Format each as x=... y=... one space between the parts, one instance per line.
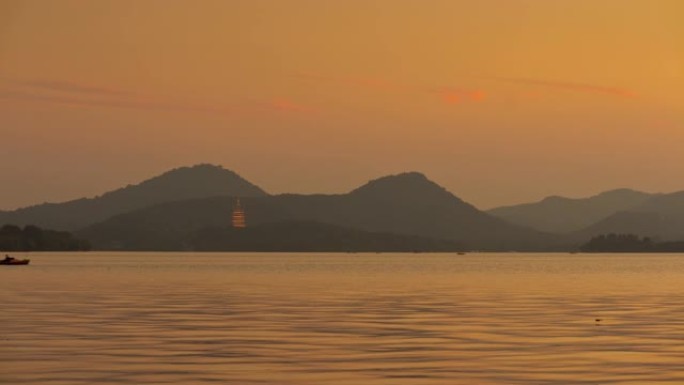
x=103 y=318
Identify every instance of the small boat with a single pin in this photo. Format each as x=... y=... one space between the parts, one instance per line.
x=13 y=261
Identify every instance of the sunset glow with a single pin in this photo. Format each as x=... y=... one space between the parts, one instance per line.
x=499 y=101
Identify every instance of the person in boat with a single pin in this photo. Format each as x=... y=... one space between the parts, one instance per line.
x=8 y=258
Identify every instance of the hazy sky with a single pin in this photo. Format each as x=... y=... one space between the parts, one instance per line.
x=499 y=101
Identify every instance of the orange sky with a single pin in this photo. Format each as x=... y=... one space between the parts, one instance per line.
x=499 y=101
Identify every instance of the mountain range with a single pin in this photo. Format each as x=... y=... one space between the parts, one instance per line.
x=407 y=204
x=661 y=217
x=622 y=211
x=190 y=207
x=563 y=215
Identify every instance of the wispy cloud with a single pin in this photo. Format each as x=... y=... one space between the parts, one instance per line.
x=70 y=87
x=376 y=83
x=447 y=94
x=570 y=86
x=286 y=105
x=367 y=82
x=77 y=94
x=455 y=96
x=128 y=103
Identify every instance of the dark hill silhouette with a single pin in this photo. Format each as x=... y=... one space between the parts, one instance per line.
x=402 y=187
x=661 y=217
x=619 y=243
x=280 y=236
x=32 y=238
x=409 y=203
x=666 y=204
x=405 y=204
x=562 y=215
x=311 y=236
x=629 y=243
x=179 y=184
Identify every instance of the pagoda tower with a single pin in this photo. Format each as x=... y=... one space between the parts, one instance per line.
x=238 y=215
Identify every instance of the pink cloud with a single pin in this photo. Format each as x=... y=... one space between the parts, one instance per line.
x=478 y=95
x=451 y=97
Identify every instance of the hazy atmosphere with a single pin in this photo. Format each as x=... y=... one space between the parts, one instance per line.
x=501 y=102
x=335 y=192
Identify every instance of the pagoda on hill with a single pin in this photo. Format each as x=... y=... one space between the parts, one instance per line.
x=238 y=215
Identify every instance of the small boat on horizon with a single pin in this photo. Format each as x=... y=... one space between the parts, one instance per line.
x=11 y=261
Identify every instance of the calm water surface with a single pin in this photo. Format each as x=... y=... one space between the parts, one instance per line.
x=369 y=319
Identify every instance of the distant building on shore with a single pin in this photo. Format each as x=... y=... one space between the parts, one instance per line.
x=238 y=215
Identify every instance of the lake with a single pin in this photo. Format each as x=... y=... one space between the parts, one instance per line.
x=369 y=319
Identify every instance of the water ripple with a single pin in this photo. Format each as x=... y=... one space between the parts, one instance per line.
x=336 y=319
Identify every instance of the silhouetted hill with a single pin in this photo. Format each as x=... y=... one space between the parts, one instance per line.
x=661 y=217
x=409 y=203
x=179 y=184
x=666 y=204
x=405 y=204
x=32 y=238
x=404 y=187
x=618 y=243
x=561 y=215
x=629 y=243
x=312 y=236
x=281 y=236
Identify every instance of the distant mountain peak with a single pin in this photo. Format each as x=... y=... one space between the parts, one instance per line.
x=404 y=177
x=390 y=183
x=193 y=182
x=617 y=193
x=198 y=168
x=560 y=214
x=198 y=179
x=554 y=198
x=621 y=191
x=408 y=187
x=415 y=175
